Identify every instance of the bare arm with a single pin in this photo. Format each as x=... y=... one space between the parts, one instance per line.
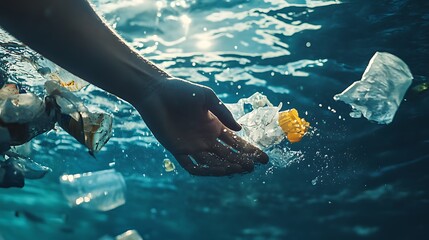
x=188 y=119
x=72 y=35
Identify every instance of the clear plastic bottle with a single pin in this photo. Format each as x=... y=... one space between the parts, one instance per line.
x=102 y=190
x=265 y=125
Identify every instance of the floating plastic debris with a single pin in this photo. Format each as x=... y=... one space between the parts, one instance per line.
x=129 y=235
x=168 y=165
x=379 y=93
x=29 y=168
x=264 y=125
x=24 y=115
x=91 y=129
x=102 y=190
x=314 y=181
x=19 y=108
x=10 y=175
x=36 y=116
x=51 y=71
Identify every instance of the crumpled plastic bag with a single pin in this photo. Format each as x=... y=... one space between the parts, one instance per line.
x=379 y=93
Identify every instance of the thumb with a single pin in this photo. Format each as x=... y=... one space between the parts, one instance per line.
x=216 y=106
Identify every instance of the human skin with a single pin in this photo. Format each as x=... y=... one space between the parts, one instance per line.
x=188 y=119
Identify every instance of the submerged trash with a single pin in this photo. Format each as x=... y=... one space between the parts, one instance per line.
x=128 y=235
x=379 y=93
x=102 y=190
x=18 y=108
x=25 y=116
x=14 y=169
x=264 y=125
x=168 y=165
x=91 y=129
x=10 y=175
x=28 y=167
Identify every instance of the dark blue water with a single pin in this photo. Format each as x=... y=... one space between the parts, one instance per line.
x=355 y=180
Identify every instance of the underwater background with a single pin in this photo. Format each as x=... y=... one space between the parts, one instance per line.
x=350 y=179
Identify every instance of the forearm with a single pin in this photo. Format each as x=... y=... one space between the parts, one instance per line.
x=72 y=35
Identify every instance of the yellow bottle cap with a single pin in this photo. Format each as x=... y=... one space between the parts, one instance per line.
x=293 y=126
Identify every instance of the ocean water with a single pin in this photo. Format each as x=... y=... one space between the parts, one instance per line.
x=352 y=179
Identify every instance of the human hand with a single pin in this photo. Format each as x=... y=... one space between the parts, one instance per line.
x=192 y=123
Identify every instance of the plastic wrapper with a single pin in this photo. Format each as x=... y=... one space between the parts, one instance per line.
x=28 y=167
x=263 y=124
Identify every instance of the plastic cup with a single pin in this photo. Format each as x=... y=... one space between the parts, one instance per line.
x=101 y=190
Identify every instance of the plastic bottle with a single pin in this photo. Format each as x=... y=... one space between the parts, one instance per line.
x=265 y=125
x=102 y=190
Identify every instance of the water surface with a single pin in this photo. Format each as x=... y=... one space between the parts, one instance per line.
x=355 y=179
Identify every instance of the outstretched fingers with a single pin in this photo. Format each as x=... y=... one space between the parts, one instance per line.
x=208 y=164
x=242 y=146
x=229 y=155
